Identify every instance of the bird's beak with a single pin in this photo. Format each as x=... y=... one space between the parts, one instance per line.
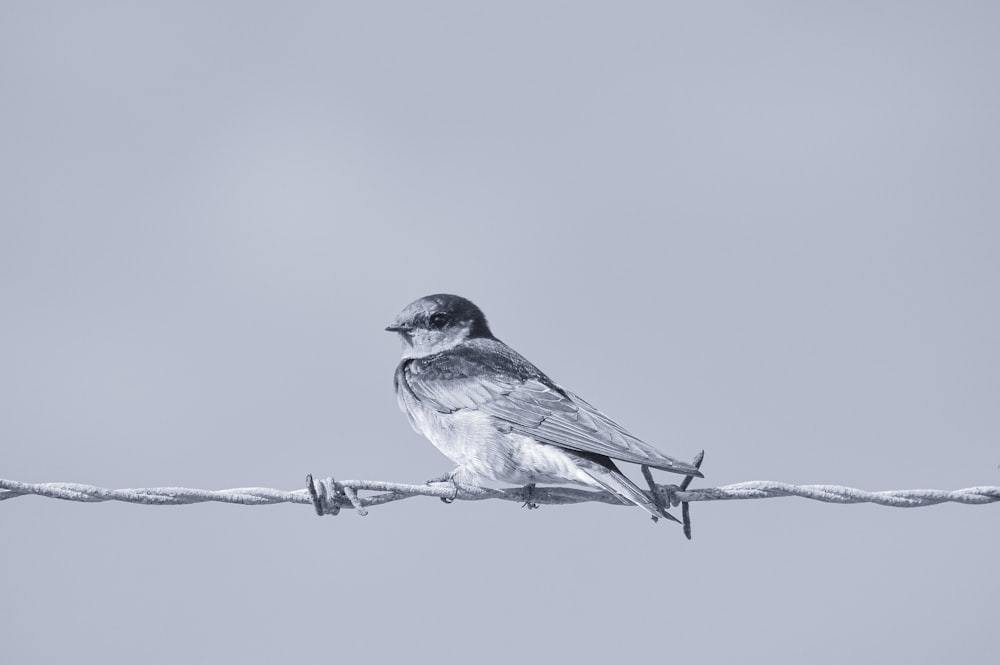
x=397 y=328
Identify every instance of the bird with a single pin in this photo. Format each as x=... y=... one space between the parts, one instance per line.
x=498 y=417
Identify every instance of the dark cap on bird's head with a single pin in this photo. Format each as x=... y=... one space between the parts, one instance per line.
x=440 y=320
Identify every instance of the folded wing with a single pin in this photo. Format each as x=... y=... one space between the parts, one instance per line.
x=487 y=375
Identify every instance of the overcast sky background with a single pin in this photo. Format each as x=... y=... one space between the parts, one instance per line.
x=766 y=230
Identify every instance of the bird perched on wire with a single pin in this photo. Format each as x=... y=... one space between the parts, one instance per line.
x=498 y=416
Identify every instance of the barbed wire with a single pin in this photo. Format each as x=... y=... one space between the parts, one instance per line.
x=258 y=496
x=328 y=496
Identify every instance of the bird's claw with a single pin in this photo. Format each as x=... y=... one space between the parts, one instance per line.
x=446 y=478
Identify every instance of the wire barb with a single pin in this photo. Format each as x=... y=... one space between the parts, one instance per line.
x=685 y=509
x=352 y=494
x=324 y=495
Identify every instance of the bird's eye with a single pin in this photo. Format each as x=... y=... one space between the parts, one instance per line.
x=438 y=320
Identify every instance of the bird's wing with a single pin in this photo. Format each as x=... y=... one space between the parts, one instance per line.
x=489 y=376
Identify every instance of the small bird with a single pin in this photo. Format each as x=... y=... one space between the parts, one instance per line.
x=497 y=416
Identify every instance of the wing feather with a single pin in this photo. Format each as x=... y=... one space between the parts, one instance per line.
x=487 y=375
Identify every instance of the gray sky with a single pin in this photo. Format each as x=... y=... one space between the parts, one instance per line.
x=769 y=230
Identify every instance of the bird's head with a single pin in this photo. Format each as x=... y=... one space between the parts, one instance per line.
x=437 y=323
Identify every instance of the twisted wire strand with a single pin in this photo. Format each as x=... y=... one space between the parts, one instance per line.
x=332 y=494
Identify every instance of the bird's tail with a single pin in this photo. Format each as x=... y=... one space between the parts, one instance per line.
x=676 y=466
x=615 y=482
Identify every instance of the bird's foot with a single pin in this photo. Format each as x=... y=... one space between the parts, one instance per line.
x=529 y=493
x=447 y=478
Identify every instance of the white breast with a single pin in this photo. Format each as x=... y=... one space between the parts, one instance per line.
x=470 y=439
